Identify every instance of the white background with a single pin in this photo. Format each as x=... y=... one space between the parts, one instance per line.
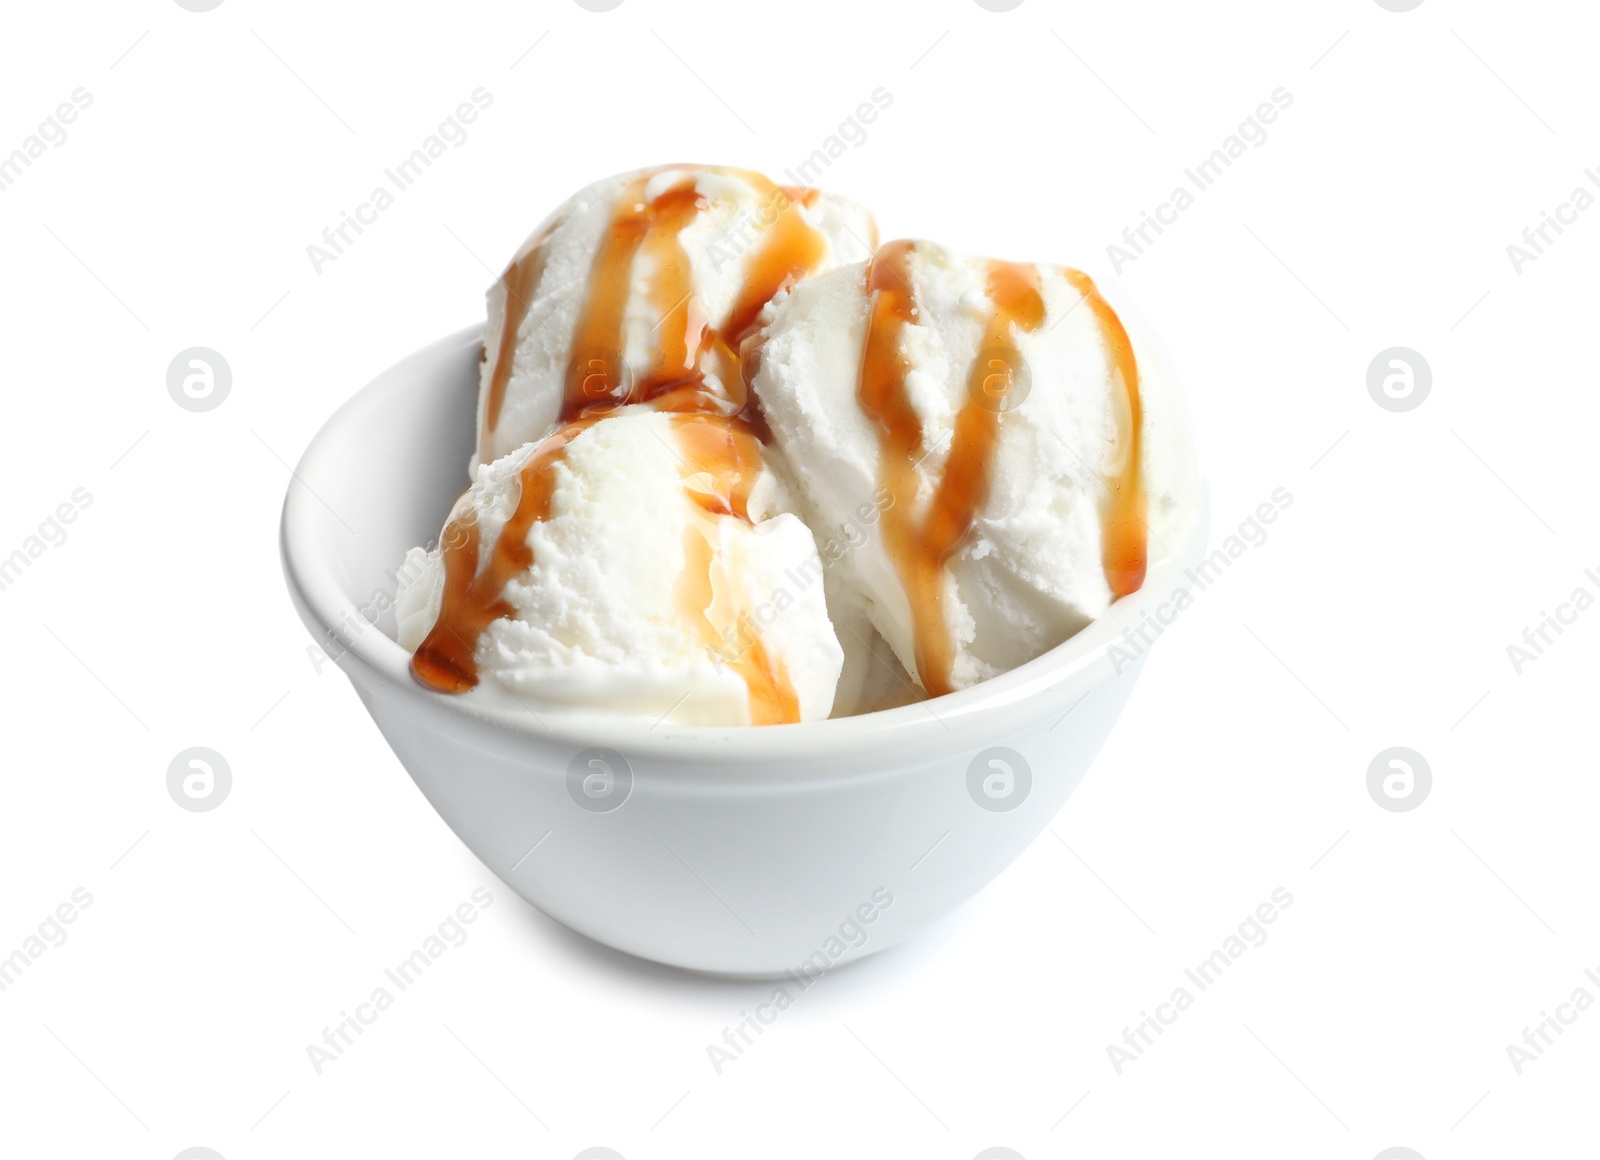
x=1378 y=613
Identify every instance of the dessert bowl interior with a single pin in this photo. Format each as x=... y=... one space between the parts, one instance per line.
x=739 y=850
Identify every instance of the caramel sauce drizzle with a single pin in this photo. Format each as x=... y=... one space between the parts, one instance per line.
x=688 y=347
x=721 y=463
x=473 y=595
x=922 y=543
x=521 y=280
x=789 y=251
x=719 y=433
x=1125 y=539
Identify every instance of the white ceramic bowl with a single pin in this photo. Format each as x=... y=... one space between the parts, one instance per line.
x=741 y=851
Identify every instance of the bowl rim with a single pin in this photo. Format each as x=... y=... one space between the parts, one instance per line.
x=1081 y=662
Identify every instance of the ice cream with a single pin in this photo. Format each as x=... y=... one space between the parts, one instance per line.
x=737 y=465
x=642 y=286
x=986 y=440
x=632 y=560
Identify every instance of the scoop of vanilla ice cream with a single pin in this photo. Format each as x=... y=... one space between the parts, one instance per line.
x=1030 y=571
x=725 y=240
x=653 y=589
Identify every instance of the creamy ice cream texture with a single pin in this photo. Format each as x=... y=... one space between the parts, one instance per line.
x=736 y=464
x=1016 y=454
x=624 y=561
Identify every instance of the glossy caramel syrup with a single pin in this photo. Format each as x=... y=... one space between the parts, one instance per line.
x=921 y=542
x=687 y=346
x=1125 y=540
x=521 y=281
x=719 y=433
x=473 y=587
x=721 y=462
